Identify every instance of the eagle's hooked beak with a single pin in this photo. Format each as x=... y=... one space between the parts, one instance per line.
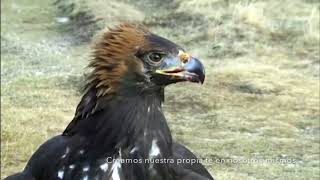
x=184 y=67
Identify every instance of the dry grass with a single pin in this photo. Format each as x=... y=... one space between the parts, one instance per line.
x=260 y=99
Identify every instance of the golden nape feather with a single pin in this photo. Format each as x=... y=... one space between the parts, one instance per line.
x=113 y=53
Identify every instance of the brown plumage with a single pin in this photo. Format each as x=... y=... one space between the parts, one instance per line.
x=120 y=115
x=113 y=54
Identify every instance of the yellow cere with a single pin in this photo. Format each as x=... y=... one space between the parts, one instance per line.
x=184 y=57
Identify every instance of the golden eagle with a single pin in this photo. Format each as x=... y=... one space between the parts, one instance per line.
x=119 y=131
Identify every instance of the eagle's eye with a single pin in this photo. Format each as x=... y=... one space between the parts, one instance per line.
x=155 y=57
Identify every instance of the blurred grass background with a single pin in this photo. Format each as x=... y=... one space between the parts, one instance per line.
x=260 y=99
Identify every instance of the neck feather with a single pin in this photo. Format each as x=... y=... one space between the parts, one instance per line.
x=121 y=121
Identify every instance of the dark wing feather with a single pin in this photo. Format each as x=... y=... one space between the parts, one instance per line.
x=187 y=171
x=44 y=158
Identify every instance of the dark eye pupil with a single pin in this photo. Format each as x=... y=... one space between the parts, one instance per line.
x=156 y=57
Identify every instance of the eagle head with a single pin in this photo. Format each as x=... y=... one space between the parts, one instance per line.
x=130 y=56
